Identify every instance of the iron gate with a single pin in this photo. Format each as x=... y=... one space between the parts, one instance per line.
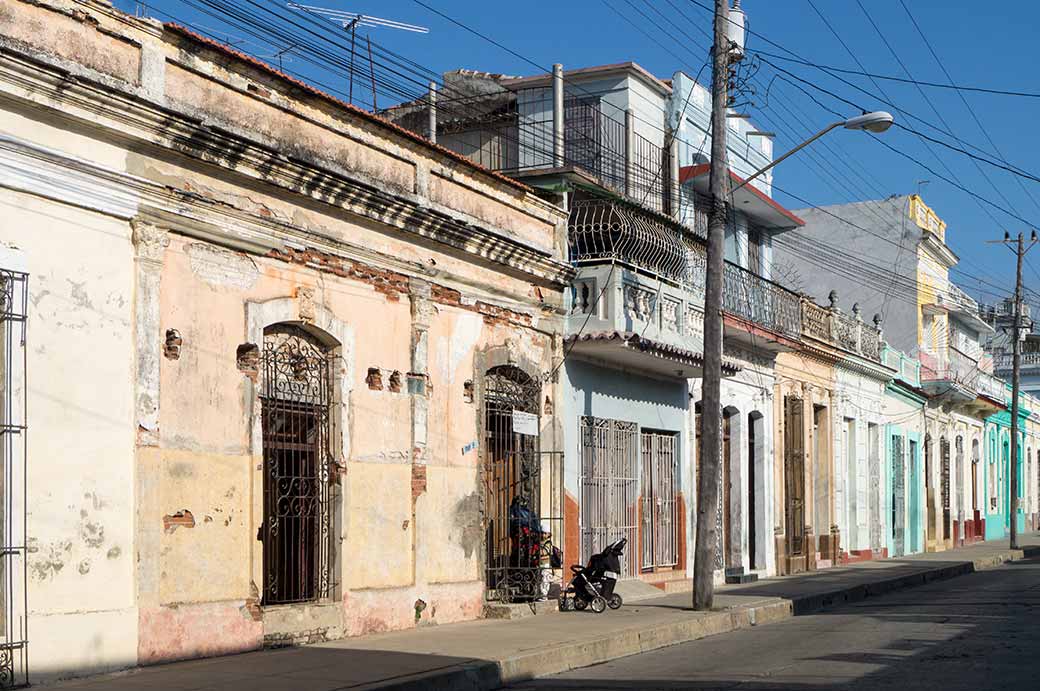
x=297 y=530
x=522 y=501
x=609 y=487
x=660 y=486
x=898 y=497
x=14 y=662
x=794 y=475
x=960 y=483
x=944 y=450
x=873 y=443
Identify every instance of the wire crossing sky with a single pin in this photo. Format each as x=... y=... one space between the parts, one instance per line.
x=883 y=54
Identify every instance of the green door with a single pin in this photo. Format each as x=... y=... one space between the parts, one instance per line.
x=913 y=491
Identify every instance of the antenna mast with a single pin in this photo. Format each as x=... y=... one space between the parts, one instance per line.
x=350 y=21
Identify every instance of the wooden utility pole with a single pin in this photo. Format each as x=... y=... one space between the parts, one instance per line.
x=711 y=406
x=1015 y=362
x=1019 y=247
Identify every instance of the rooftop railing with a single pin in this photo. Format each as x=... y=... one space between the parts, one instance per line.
x=848 y=332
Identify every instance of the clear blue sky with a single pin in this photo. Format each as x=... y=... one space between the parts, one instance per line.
x=988 y=44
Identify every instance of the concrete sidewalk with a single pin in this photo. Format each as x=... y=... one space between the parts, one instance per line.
x=487 y=654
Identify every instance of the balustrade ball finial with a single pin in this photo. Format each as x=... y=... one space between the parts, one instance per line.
x=855 y=309
x=833 y=298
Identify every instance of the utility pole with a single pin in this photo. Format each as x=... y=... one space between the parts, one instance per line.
x=711 y=410
x=1019 y=247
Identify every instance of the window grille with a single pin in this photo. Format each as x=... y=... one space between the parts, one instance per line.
x=14 y=664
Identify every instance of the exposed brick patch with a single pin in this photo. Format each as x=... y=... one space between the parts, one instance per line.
x=181 y=519
x=395 y=382
x=418 y=480
x=393 y=284
x=390 y=283
x=252 y=608
x=374 y=379
x=172 y=346
x=467 y=391
x=247 y=359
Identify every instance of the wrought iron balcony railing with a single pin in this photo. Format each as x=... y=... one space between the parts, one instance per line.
x=612 y=231
x=759 y=300
x=957 y=368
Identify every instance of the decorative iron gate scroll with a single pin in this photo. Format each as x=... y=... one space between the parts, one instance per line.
x=523 y=502
x=298 y=494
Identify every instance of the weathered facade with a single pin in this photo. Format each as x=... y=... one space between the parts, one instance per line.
x=302 y=324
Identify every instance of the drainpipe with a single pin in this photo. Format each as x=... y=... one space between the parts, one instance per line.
x=433 y=112
x=630 y=147
x=557 y=83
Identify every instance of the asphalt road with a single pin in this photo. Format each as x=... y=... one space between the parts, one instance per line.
x=980 y=631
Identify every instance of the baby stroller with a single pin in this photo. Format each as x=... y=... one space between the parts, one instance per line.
x=593 y=585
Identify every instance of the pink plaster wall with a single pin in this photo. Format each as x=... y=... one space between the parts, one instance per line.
x=200 y=630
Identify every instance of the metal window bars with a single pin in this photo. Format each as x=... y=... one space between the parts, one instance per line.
x=609 y=487
x=14 y=662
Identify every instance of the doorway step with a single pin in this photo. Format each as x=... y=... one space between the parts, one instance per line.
x=737 y=575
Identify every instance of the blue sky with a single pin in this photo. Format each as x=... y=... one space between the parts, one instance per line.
x=986 y=44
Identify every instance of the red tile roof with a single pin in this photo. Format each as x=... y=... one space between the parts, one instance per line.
x=634 y=340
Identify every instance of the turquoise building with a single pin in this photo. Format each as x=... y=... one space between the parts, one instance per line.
x=997 y=476
x=904 y=490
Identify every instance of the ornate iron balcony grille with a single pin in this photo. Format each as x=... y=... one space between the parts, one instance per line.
x=14 y=664
x=759 y=300
x=608 y=230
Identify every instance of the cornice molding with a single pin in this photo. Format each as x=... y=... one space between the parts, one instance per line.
x=132 y=119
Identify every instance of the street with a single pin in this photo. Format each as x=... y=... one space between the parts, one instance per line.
x=975 y=632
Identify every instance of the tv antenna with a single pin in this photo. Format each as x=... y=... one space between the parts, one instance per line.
x=350 y=21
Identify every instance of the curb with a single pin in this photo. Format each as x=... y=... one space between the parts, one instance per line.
x=486 y=675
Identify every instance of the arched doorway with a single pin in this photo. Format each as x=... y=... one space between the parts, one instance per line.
x=296 y=406
x=512 y=482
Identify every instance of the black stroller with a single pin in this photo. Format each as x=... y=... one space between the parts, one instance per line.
x=593 y=585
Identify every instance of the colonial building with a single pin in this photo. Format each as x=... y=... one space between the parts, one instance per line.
x=291 y=364
x=903 y=408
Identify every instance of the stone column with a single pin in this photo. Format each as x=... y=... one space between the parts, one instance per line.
x=419 y=394
x=150 y=243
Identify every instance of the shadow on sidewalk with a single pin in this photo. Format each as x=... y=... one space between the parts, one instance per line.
x=299 y=669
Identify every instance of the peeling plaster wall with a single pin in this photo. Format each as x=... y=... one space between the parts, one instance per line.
x=144 y=516
x=80 y=503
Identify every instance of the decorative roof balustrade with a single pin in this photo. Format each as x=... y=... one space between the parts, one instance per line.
x=845 y=331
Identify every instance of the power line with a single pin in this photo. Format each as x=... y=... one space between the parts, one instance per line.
x=903 y=80
x=964 y=100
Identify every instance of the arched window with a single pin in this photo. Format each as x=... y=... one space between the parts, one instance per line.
x=296 y=400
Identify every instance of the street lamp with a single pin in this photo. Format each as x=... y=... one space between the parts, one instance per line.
x=875 y=123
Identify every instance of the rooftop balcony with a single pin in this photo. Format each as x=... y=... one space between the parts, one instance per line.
x=641 y=273
x=600 y=145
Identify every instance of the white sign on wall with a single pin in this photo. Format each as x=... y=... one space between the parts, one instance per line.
x=525 y=423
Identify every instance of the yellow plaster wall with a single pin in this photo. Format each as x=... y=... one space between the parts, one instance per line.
x=210 y=561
